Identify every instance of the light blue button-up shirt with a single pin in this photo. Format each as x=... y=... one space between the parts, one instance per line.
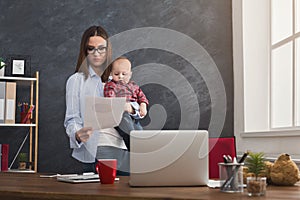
x=77 y=88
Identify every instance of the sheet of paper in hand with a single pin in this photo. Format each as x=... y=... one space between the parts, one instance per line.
x=103 y=112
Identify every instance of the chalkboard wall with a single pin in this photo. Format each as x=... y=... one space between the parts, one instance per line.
x=181 y=52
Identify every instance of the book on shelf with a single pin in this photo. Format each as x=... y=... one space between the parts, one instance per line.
x=2 y=101
x=10 y=102
x=4 y=157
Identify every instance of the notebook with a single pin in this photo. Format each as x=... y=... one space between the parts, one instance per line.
x=168 y=158
x=84 y=178
x=79 y=178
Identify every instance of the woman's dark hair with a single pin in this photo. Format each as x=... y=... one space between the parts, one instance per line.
x=82 y=63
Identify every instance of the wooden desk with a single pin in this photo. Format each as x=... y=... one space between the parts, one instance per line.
x=31 y=186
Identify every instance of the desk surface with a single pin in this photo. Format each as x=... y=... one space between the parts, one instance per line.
x=31 y=186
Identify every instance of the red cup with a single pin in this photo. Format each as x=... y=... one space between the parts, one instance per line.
x=107 y=170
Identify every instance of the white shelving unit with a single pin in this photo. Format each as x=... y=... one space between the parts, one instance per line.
x=33 y=128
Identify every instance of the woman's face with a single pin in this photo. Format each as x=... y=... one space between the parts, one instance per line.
x=97 y=48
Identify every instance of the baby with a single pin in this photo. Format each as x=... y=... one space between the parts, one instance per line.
x=122 y=86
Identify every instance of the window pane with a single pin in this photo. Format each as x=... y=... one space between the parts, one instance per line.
x=297 y=91
x=282 y=19
x=281 y=87
x=297 y=15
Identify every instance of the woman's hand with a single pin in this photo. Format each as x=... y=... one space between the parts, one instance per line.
x=84 y=134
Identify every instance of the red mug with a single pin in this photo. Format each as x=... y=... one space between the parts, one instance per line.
x=107 y=170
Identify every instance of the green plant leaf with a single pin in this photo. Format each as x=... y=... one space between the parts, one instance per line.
x=2 y=63
x=22 y=157
x=256 y=163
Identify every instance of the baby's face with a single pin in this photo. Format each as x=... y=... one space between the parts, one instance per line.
x=121 y=70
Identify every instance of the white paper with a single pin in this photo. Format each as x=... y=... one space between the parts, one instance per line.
x=92 y=143
x=18 y=66
x=214 y=183
x=10 y=109
x=103 y=112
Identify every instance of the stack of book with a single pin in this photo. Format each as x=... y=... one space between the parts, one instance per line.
x=8 y=105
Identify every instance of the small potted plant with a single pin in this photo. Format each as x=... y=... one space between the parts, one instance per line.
x=256 y=184
x=2 y=66
x=22 y=160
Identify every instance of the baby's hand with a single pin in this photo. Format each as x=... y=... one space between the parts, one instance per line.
x=128 y=108
x=143 y=109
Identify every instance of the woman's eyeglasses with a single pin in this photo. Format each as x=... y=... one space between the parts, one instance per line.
x=100 y=49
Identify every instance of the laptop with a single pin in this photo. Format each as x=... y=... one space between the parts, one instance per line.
x=168 y=158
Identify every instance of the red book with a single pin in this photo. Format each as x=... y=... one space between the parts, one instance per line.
x=4 y=160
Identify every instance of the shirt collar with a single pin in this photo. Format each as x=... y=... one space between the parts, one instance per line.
x=92 y=72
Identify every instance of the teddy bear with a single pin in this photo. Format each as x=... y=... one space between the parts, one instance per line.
x=284 y=171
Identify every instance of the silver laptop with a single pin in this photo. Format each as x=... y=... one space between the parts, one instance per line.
x=168 y=158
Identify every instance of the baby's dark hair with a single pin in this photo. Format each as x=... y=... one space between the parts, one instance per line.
x=119 y=58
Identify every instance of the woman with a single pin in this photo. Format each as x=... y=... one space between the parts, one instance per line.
x=94 y=57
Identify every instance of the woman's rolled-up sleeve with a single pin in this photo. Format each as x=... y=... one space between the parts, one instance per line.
x=73 y=119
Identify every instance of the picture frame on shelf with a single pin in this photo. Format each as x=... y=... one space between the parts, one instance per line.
x=18 y=65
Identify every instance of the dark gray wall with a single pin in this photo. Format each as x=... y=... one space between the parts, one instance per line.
x=50 y=32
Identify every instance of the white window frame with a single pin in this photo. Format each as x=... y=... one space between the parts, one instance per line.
x=257 y=71
x=271 y=142
x=273 y=47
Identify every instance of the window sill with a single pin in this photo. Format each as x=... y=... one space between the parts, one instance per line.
x=271 y=133
x=273 y=157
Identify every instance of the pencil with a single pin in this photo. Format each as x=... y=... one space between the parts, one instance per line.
x=236 y=169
